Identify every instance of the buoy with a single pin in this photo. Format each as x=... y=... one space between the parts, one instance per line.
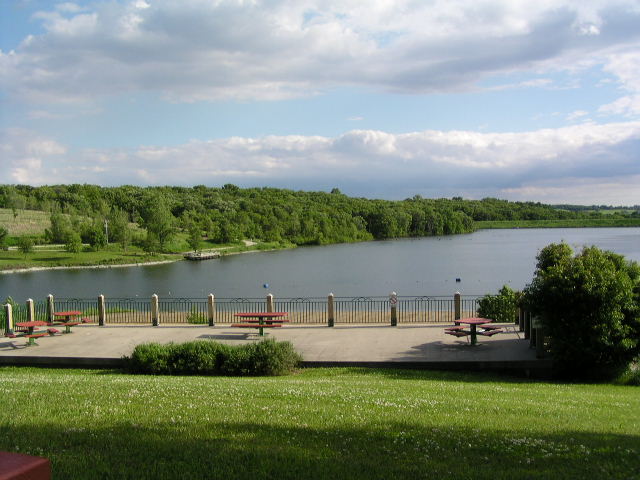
x=265 y=285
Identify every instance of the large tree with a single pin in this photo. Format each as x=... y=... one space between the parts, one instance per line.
x=589 y=304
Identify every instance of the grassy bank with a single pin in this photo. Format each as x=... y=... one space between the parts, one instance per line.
x=577 y=223
x=325 y=423
x=15 y=260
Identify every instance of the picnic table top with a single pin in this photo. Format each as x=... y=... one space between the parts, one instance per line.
x=474 y=320
x=67 y=314
x=35 y=323
x=261 y=314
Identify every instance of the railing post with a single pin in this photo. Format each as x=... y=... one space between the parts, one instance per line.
x=270 y=303
x=540 y=353
x=393 y=300
x=211 y=309
x=8 y=311
x=50 y=308
x=102 y=311
x=457 y=307
x=521 y=314
x=155 y=310
x=30 y=311
x=331 y=312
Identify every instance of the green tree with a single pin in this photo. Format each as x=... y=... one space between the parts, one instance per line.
x=60 y=227
x=119 y=230
x=4 y=233
x=96 y=236
x=159 y=220
x=590 y=308
x=73 y=243
x=502 y=307
x=25 y=245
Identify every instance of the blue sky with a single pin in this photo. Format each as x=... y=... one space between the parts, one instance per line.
x=389 y=98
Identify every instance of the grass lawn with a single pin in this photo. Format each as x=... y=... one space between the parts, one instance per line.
x=14 y=259
x=570 y=223
x=324 y=423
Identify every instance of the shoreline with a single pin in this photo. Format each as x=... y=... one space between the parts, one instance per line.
x=85 y=267
x=122 y=265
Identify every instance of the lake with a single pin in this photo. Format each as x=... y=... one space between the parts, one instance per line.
x=483 y=261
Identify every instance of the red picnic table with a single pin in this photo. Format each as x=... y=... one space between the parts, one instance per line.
x=31 y=334
x=473 y=332
x=68 y=319
x=260 y=320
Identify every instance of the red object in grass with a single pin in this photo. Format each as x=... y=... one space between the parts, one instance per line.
x=16 y=466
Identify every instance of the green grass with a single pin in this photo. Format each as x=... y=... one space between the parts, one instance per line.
x=325 y=423
x=573 y=223
x=14 y=259
x=27 y=222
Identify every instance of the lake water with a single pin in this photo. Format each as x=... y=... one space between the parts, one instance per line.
x=483 y=261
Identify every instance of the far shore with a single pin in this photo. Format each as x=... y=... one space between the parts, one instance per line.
x=178 y=258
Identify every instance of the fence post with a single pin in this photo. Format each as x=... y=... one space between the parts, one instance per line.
x=211 y=308
x=50 y=308
x=30 y=311
x=102 y=311
x=457 y=307
x=270 y=303
x=155 y=310
x=393 y=300
x=8 y=311
x=521 y=314
x=331 y=312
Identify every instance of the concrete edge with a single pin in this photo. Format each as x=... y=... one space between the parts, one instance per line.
x=537 y=368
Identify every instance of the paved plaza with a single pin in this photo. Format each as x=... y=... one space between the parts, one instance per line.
x=413 y=346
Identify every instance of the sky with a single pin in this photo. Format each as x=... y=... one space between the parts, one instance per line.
x=513 y=99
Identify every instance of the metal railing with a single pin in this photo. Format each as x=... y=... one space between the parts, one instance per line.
x=301 y=310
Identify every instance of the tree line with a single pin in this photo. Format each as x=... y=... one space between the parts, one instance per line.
x=227 y=214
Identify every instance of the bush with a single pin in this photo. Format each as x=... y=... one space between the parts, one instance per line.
x=501 y=308
x=196 y=317
x=589 y=305
x=267 y=357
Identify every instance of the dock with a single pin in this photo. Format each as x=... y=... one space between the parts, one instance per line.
x=201 y=255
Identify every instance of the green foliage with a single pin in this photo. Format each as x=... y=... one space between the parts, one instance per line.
x=501 y=308
x=196 y=317
x=267 y=357
x=60 y=228
x=4 y=233
x=73 y=242
x=590 y=308
x=25 y=245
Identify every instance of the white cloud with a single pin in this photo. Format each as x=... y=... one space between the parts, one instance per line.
x=590 y=160
x=577 y=115
x=191 y=50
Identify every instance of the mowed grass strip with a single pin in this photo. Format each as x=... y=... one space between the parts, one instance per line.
x=324 y=423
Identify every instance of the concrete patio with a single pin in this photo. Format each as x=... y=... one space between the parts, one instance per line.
x=406 y=346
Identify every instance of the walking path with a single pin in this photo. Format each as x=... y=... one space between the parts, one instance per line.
x=412 y=346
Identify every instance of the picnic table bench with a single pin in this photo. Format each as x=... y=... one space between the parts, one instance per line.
x=260 y=320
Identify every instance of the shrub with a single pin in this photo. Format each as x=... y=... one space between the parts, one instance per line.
x=590 y=308
x=25 y=245
x=196 y=317
x=267 y=357
x=501 y=308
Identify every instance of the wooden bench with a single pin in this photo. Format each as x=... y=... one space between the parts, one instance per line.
x=255 y=325
x=456 y=333
x=53 y=331
x=33 y=336
x=489 y=333
x=68 y=325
